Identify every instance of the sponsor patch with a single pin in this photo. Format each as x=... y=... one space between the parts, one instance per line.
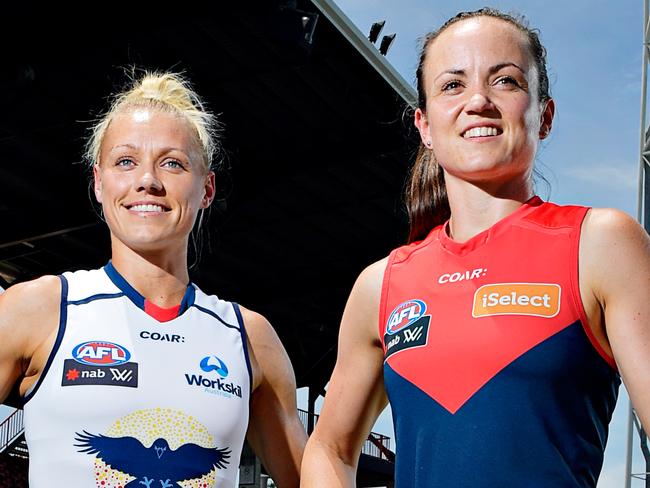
x=536 y=299
x=213 y=363
x=415 y=335
x=404 y=315
x=462 y=275
x=157 y=336
x=100 y=353
x=209 y=384
x=76 y=373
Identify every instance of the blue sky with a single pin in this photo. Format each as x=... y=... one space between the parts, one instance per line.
x=591 y=158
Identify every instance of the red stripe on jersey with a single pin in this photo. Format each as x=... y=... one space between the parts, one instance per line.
x=159 y=313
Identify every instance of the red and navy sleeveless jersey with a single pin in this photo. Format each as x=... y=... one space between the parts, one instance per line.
x=493 y=375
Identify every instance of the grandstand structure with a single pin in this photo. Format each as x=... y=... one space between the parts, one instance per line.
x=315 y=146
x=644 y=150
x=636 y=432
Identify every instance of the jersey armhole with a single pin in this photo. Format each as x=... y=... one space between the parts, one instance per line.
x=63 y=317
x=384 y=298
x=577 y=298
x=244 y=342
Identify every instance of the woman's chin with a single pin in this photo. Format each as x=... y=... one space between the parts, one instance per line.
x=152 y=244
x=486 y=170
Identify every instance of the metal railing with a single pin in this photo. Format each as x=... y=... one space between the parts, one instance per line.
x=11 y=429
x=303 y=415
x=377 y=445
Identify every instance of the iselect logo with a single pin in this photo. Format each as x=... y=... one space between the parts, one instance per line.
x=536 y=299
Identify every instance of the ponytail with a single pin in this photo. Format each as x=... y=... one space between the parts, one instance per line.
x=426 y=195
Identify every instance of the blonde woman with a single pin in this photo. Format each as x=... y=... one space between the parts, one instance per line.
x=131 y=375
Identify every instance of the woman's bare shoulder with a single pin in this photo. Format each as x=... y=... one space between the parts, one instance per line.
x=28 y=310
x=366 y=293
x=613 y=246
x=609 y=222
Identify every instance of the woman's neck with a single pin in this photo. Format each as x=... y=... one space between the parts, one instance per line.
x=476 y=208
x=160 y=277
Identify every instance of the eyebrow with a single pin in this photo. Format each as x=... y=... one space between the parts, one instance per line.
x=135 y=148
x=493 y=69
x=498 y=67
x=130 y=146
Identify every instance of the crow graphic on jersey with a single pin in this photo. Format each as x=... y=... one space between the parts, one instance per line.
x=157 y=463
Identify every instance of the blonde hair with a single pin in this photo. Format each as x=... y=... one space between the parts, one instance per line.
x=167 y=92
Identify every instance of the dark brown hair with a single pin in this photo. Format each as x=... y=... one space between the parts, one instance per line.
x=426 y=194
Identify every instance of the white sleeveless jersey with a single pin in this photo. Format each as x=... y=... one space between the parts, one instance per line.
x=127 y=401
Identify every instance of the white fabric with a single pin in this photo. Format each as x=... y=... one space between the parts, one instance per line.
x=148 y=429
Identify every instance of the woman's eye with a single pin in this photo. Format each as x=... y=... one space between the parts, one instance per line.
x=507 y=80
x=124 y=162
x=172 y=163
x=451 y=85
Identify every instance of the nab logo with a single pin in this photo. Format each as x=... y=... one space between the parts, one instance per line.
x=94 y=360
x=208 y=366
x=536 y=299
x=404 y=315
x=98 y=353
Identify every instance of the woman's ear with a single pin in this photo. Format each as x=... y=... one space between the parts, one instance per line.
x=209 y=189
x=97 y=182
x=546 y=122
x=422 y=123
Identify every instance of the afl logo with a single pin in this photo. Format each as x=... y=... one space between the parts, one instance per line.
x=404 y=315
x=98 y=353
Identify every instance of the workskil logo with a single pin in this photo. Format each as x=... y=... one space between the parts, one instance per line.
x=536 y=299
x=213 y=363
x=210 y=365
x=407 y=327
x=404 y=315
x=100 y=353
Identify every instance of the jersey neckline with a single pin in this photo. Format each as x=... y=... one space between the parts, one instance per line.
x=463 y=248
x=160 y=314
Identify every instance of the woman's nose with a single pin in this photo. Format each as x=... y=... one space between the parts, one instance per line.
x=149 y=182
x=479 y=101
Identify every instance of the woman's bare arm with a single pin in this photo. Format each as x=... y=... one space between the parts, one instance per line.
x=355 y=396
x=275 y=432
x=29 y=315
x=615 y=263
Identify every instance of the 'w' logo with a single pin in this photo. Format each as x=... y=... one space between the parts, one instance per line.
x=413 y=335
x=121 y=375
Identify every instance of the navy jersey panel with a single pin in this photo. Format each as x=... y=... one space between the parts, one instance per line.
x=540 y=422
